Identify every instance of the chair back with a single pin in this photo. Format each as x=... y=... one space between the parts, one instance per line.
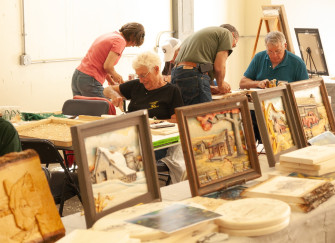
x=46 y=150
x=76 y=107
x=63 y=186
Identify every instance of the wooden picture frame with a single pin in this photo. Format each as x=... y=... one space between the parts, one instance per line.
x=115 y=153
x=283 y=23
x=311 y=51
x=278 y=124
x=218 y=144
x=318 y=116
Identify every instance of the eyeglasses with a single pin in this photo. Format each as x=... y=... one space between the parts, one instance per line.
x=143 y=75
x=276 y=52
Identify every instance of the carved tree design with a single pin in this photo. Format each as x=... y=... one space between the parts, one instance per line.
x=233 y=117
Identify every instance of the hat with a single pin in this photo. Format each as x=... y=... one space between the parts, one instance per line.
x=169 y=47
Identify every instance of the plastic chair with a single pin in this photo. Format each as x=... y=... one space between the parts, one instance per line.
x=49 y=154
x=76 y=107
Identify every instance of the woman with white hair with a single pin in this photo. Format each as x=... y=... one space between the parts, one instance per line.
x=149 y=91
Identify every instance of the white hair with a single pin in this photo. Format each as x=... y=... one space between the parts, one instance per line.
x=147 y=59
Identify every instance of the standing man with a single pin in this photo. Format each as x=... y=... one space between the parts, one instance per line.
x=170 y=49
x=273 y=63
x=202 y=57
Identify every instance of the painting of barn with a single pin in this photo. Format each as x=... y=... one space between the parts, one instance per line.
x=218 y=144
x=111 y=166
x=312 y=112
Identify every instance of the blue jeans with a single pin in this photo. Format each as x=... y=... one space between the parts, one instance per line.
x=85 y=85
x=194 y=85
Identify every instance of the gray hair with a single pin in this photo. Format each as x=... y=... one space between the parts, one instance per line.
x=232 y=29
x=274 y=38
x=147 y=59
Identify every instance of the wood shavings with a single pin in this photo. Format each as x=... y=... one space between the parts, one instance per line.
x=51 y=131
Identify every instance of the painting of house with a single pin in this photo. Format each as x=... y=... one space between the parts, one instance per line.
x=221 y=146
x=308 y=111
x=218 y=145
x=312 y=112
x=110 y=166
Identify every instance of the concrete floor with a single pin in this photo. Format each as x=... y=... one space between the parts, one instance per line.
x=73 y=205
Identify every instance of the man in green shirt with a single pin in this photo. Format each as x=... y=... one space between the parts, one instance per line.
x=202 y=57
x=274 y=63
x=9 y=138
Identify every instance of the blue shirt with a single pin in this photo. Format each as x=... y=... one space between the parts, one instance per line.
x=291 y=69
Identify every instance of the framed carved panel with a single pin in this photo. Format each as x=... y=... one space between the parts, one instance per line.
x=218 y=144
x=313 y=108
x=277 y=122
x=116 y=165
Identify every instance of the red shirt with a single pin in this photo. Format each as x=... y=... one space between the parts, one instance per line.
x=93 y=63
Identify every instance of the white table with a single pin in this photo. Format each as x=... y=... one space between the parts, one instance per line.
x=315 y=226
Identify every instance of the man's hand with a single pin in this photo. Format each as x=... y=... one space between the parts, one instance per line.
x=215 y=89
x=225 y=88
x=262 y=84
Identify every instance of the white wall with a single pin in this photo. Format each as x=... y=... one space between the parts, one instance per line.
x=313 y=14
x=45 y=86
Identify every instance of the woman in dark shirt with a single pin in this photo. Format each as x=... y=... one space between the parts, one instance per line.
x=149 y=92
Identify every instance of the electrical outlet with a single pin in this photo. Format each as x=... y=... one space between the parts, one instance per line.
x=25 y=59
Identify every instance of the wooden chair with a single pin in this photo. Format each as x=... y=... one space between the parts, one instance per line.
x=49 y=154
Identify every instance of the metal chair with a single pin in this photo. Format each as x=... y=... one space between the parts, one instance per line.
x=49 y=154
x=163 y=172
x=76 y=107
x=82 y=105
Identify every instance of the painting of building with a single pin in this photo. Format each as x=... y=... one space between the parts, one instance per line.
x=312 y=112
x=221 y=146
x=110 y=166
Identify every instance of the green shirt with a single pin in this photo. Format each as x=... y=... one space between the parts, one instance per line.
x=292 y=68
x=9 y=138
x=203 y=45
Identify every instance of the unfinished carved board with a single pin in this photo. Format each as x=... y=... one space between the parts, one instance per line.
x=27 y=209
x=253 y=213
x=309 y=155
x=291 y=189
x=57 y=130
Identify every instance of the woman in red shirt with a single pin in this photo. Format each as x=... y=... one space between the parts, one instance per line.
x=98 y=64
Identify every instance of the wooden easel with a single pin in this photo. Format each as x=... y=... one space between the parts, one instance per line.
x=272 y=21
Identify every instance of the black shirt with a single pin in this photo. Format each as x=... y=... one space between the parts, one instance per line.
x=160 y=102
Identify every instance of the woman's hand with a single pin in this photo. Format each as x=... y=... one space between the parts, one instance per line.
x=118 y=102
x=117 y=78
